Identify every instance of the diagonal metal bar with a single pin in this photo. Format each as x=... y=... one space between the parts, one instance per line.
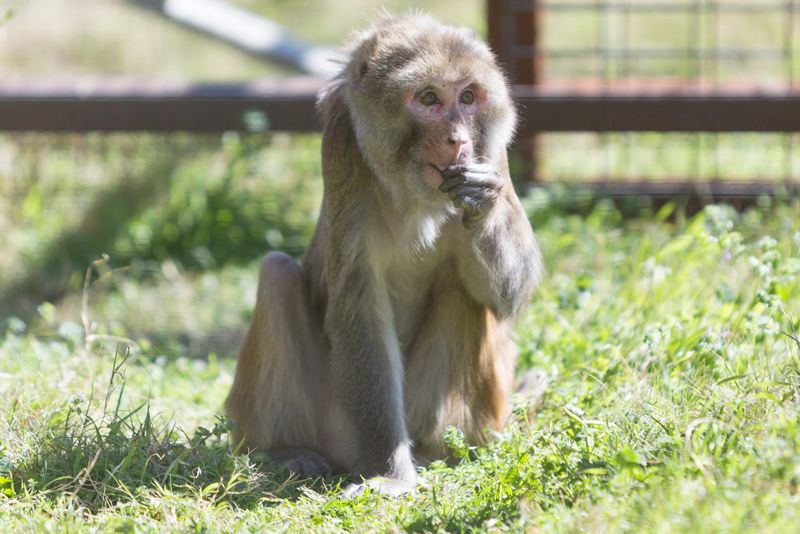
x=247 y=31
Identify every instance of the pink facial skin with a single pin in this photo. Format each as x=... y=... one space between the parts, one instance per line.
x=446 y=113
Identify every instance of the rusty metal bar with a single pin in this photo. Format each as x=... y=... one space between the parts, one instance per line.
x=527 y=25
x=288 y=105
x=515 y=35
x=108 y=105
x=498 y=34
x=685 y=111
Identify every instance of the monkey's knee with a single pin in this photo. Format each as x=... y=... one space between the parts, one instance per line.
x=280 y=277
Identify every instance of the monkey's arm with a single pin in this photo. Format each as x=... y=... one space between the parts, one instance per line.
x=366 y=365
x=499 y=262
x=365 y=360
x=502 y=264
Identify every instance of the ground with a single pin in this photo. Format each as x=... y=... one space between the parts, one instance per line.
x=671 y=348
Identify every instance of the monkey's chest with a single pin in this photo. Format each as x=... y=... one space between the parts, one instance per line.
x=409 y=296
x=409 y=314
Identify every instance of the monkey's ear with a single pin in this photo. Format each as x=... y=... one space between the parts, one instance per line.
x=362 y=50
x=358 y=68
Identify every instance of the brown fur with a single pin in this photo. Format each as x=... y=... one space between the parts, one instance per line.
x=398 y=323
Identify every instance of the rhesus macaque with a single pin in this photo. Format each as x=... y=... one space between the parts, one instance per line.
x=397 y=323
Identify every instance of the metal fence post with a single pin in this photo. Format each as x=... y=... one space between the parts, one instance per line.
x=514 y=35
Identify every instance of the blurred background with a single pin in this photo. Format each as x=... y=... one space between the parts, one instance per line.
x=184 y=216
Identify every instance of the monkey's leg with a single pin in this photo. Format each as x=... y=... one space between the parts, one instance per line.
x=367 y=369
x=278 y=390
x=459 y=372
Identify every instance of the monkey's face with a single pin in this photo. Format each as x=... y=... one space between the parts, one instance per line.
x=444 y=115
x=424 y=97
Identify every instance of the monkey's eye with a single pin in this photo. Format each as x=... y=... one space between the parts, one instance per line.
x=428 y=98
x=467 y=97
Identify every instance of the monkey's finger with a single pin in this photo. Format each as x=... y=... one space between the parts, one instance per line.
x=490 y=180
x=462 y=196
x=474 y=180
x=454 y=170
x=474 y=209
x=450 y=183
x=482 y=168
x=464 y=173
x=480 y=194
x=477 y=168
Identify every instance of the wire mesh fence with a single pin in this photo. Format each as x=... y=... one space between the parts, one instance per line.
x=643 y=49
x=710 y=43
x=657 y=47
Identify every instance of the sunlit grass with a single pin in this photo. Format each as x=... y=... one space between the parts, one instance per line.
x=739 y=157
x=674 y=366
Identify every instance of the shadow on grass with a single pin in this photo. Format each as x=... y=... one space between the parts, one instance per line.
x=222 y=342
x=96 y=233
x=165 y=208
x=104 y=457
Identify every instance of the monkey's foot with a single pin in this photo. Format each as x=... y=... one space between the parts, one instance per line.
x=385 y=486
x=302 y=462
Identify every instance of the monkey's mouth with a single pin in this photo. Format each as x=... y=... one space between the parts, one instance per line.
x=432 y=175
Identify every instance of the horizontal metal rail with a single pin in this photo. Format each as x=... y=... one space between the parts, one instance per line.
x=288 y=105
x=119 y=105
x=675 y=111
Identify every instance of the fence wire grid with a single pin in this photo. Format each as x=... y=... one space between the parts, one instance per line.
x=660 y=45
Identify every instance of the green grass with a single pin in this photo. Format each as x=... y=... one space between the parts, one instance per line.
x=198 y=201
x=674 y=366
x=670 y=343
x=734 y=157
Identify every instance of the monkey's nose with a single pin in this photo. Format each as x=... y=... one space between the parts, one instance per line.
x=456 y=141
x=457 y=148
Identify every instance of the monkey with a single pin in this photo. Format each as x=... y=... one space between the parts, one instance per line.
x=397 y=322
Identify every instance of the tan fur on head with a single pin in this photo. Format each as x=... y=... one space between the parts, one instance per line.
x=397 y=56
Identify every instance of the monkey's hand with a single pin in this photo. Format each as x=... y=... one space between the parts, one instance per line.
x=475 y=188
